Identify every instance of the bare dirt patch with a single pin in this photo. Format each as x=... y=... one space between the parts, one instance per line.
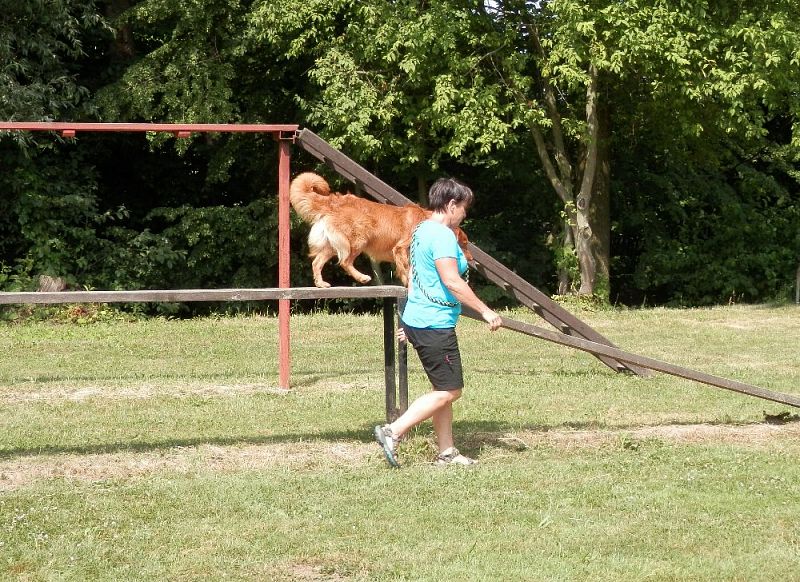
x=309 y=573
x=167 y=390
x=24 y=471
x=754 y=435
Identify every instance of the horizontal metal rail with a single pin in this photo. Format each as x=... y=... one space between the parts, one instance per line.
x=181 y=129
x=643 y=361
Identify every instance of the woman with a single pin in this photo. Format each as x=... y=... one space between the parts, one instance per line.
x=436 y=292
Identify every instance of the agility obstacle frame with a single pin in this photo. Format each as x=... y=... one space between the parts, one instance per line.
x=572 y=332
x=283 y=134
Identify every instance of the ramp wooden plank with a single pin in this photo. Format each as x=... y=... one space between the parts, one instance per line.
x=349 y=169
x=190 y=295
x=643 y=361
x=545 y=307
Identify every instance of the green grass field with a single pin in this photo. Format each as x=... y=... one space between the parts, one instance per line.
x=163 y=450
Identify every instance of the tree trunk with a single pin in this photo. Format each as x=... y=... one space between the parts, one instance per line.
x=568 y=246
x=422 y=189
x=600 y=209
x=584 y=233
x=587 y=230
x=123 y=45
x=560 y=177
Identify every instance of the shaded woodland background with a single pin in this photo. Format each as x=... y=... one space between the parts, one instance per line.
x=636 y=152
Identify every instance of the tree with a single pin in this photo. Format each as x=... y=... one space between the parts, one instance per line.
x=617 y=108
x=463 y=79
x=570 y=54
x=705 y=219
x=394 y=81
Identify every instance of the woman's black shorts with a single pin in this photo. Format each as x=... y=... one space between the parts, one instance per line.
x=438 y=351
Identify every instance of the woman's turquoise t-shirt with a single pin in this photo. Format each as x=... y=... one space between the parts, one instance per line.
x=432 y=241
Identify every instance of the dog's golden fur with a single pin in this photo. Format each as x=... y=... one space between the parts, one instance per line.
x=345 y=226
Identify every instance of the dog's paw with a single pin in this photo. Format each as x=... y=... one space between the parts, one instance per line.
x=322 y=284
x=364 y=279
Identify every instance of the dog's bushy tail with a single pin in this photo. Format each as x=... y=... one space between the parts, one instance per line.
x=305 y=195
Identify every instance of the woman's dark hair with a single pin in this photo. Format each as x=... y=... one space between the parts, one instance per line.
x=444 y=190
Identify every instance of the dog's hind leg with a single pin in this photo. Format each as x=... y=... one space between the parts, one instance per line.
x=321 y=258
x=321 y=250
x=401 y=262
x=347 y=252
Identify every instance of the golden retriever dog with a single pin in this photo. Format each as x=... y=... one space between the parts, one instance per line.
x=345 y=226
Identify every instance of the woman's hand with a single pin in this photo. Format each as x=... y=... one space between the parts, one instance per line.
x=448 y=273
x=400 y=334
x=494 y=320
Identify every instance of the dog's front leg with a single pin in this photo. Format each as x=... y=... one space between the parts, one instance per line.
x=376 y=270
x=347 y=265
x=400 y=253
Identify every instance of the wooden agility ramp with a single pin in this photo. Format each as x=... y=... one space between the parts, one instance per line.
x=572 y=332
x=644 y=361
x=487 y=266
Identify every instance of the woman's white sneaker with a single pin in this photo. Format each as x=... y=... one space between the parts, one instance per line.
x=451 y=456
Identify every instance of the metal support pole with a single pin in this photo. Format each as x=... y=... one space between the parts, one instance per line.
x=388 y=358
x=402 y=367
x=284 y=353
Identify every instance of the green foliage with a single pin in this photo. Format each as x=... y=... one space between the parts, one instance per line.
x=715 y=235
x=64 y=233
x=185 y=75
x=410 y=90
x=39 y=43
x=221 y=246
x=739 y=59
x=77 y=314
x=464 y=80
x=192 y=62
x=56 y=209
x=703 y=101
x=583 y=303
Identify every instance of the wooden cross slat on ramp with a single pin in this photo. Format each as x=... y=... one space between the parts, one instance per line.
x=493 y=270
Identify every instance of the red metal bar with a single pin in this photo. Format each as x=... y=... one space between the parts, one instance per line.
x=284 y=154
x=72 y=127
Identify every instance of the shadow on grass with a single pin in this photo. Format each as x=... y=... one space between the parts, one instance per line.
x=299 y=377
x=474 y=435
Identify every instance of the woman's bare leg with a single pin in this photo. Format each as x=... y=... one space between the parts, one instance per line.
x=438 y=405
